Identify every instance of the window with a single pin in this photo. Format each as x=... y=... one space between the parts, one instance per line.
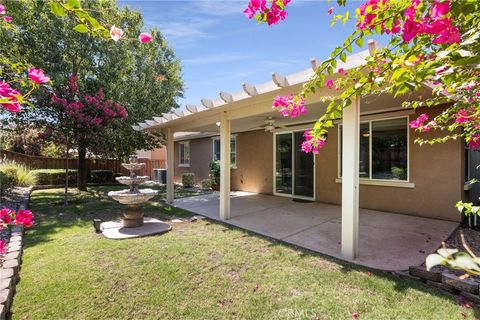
x=383 y=149
x=233 y=150
x=184 y=154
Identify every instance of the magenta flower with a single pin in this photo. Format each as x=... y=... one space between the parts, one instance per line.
x=24 y=218
x=7 y=19
x=145 y=37
x=116 y=33
x=10 y=94
x=37 y=75
x=330 y=11
x=290 y=106
x=341 y=71
x=329 y=84
x=312 y=143
x=465 y=115
x=2 y=9
x=474 y=142
x=417 y=123
x=440 y=9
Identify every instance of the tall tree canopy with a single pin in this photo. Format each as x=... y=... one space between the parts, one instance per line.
x=145 y=78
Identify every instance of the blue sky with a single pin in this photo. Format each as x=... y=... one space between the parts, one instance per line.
x=220 y=48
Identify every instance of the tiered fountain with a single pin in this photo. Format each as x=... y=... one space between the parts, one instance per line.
x=133 y=224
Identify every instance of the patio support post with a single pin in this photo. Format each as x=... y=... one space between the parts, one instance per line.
x=224 y=167
x=170 y=166
x=350 y=171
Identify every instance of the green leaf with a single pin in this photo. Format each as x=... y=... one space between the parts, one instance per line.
x=81 y=28
x=343 y=57
x=359 y=42
x=57 y=9
x=433 y=260
x=74 y=4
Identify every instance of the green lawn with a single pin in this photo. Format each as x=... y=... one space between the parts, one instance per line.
x=199 y=270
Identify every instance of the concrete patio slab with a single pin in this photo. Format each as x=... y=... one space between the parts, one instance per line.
x=115 y=230
x=387 y=241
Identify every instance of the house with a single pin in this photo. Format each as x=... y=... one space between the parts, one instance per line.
x=370 y=159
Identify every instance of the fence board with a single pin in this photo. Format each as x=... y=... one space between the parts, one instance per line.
x=35 y=162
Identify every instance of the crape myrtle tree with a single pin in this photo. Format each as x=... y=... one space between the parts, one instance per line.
x=433 y=42
x=104 y=47
x=75 y=119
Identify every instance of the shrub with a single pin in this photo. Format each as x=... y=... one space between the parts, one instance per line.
x=54 y=176
x=187 y=180
x=99 y=176
x=215 y=172
x=17 y=174
x=206 y=184
x=5 y=183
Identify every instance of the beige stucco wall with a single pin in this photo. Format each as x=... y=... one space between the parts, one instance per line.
x=200 y=157
x=436 y=170
x=254 y=172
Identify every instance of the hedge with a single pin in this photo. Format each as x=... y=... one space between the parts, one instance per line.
x=54 y=176
x=99 y=176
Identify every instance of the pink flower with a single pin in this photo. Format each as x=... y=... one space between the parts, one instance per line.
x=10 y=94
x=417 y=123
x=25 y=218
x=6 y=215
x=145 y=37
x=290 y=106
x=474 y=141
x=465 y=115
x=7 y=19
x=330 y=11
x=439 y=9
x=37 y=75
x=2 y=9
x=329 y=84
x=411 y=29
x=312 y=143
x=254 y=6
x=341 y=71
x=116 y=33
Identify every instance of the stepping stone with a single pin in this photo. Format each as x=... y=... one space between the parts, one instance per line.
x=151 y=226
x=177 y=221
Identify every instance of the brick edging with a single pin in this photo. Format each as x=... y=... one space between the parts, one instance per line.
x=9 y=272
x=446 y=281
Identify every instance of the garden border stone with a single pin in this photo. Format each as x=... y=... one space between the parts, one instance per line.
x=12 y=260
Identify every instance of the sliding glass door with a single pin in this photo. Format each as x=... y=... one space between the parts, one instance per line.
x=294 y=169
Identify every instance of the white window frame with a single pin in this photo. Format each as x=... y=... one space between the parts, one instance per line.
x=233 y=164
x=371 y=181
x=292 y=195
x=183 y=144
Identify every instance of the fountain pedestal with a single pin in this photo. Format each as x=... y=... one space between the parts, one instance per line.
x=132 y=224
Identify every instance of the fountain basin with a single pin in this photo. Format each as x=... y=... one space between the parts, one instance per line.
x=129 y=181
x=134 y=166
x=129 y=198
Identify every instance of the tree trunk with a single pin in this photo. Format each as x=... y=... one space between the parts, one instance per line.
x=82 y=168
x=65 y=199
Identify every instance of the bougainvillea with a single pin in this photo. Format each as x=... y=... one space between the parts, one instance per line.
x=433 y=43
x=262 y=13
x=11 y=217
x=290 y=106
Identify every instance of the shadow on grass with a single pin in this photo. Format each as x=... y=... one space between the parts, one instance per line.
x=400 y=284
x=53 y=217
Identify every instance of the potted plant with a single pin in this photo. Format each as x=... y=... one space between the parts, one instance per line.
x=215 y=174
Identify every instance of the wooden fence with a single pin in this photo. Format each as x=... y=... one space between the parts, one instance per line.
x=35 y=162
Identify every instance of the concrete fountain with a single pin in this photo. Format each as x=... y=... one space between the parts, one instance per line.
x=133 y=223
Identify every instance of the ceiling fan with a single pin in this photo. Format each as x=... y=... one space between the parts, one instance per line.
x=269 y=125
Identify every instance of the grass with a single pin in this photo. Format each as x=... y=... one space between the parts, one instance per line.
x=199 y=270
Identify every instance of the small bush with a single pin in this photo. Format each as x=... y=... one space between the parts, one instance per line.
x=54 y=176
x=187 y=180
x=100 y=176
x=206 y=184
x=17 y=174
x=215 y=172
x=399 y=173
x=5 y=183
